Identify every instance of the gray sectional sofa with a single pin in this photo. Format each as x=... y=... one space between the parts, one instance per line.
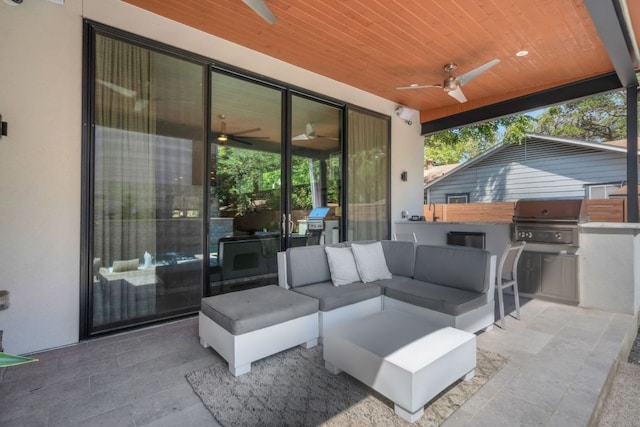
x=447 y=285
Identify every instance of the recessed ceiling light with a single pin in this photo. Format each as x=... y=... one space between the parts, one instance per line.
x=522 y=53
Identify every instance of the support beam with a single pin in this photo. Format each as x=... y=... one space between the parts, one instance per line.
x=615 y=36
x=632 y=153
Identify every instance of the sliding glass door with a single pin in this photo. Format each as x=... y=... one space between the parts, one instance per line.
x=315 y=172
x=148 y=161
x=245 y=183
x=196 y=175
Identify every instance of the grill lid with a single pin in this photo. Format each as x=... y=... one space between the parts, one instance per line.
x=550 y=210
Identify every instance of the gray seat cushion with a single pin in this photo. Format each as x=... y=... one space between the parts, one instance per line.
x=252 y=309
x=458 y=267
x=332 y=297
x=395 y=280
x=435 y=297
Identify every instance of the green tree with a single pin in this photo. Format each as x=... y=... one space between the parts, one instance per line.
x=456 y=145
x=243 y=176
x=596 y=119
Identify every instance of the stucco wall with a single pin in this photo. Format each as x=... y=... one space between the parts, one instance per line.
x=609 y=271
x=41 y=97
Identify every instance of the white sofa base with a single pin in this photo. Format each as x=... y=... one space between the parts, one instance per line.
x=481 y=318
x=416 y=362
x=338 y=316
x=240 y=350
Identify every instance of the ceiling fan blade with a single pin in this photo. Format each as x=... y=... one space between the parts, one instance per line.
x=260 y=7
x=240 y=140
x=467 y=77
x=457 y=94
x=242 y=132
x=118 y=89
x=417 y=86
x=309 y=131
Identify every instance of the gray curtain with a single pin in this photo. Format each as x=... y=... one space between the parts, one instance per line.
x=368 y=171
x=124 y=168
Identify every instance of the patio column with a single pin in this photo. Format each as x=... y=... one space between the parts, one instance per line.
x=632 y=153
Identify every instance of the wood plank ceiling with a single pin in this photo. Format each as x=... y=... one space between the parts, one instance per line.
x=378 y=45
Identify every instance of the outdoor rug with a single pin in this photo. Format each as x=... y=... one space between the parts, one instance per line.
x=293 y=388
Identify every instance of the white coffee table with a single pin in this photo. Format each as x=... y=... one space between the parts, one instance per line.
x=402 y=357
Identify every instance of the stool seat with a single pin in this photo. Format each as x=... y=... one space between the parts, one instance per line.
x=252 y=309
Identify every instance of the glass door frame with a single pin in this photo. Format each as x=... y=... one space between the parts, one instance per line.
x=287 y=187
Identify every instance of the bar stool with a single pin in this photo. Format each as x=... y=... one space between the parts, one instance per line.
x=508 y=277
x=407 y=237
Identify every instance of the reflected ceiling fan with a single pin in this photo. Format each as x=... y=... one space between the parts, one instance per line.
x=140 y=104
x=452 y=84
x=310 y=133
x=239 y=136
x=261 y=8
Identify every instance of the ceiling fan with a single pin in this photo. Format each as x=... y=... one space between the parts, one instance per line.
x=310 y=133
x=452 y=84
x=223 y=136
x=261 y=8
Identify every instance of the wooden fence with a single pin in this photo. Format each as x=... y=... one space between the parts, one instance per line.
x=609 y=210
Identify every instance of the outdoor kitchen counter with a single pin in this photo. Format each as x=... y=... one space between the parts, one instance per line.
x=498 y=235
x=609 y=276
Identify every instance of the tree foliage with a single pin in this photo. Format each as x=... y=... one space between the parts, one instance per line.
x=243 y=176
x=240 y=177
x=596 y=119
x=456 y=145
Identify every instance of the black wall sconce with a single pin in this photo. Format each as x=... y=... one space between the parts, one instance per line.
x=3 y=128
x=403 y=176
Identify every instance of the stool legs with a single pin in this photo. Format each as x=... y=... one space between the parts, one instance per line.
x=516 y=298
x=501 y=306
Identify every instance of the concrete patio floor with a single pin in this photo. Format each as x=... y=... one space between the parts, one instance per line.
x=562 y=362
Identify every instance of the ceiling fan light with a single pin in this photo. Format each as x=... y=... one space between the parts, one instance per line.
x=222 y=137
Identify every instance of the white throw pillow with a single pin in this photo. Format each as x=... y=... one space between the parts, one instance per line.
x=370 y=261
x=342 y=266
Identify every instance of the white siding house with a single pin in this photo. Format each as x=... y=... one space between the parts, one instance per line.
x=539 y=167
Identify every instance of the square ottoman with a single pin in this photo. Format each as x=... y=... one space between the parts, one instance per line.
x=402 y=357
x=249 y=325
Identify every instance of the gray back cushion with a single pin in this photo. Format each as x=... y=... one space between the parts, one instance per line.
x=400 y=257
x=307 y=265
x=455 y=266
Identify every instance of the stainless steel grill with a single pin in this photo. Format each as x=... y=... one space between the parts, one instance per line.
x=548 y=267
x=549 y=221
